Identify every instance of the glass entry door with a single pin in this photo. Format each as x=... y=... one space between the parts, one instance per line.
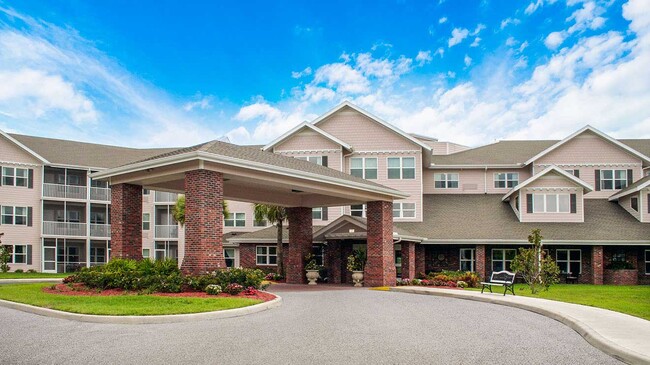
x=49 y=258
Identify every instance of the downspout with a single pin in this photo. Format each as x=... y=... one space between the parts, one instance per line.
x=343 y=170
x=485 y=181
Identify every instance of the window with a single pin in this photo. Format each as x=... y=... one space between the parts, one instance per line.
x=266 y=255
x=98 y=255
x=18 y=254
x=446 y=181
x=365 y=168
x=318 y=160
x=262 y=223
x=634 y=203
x=358 y=210
x=98 y=217
x=317 y=213
x=551 y=203
x=467 y=259
x=398 y=260
x=574 y=172
x=504 y=180
x=647 y=262
x=613 y=179
x=146 y=253
x=502 y=258
x=146 y=221
x=403 y=210
x=14 y=215
x=318 y=252
x=401 y=167
x=235 y=220
x=619 y=256
x=146 y=191
x=229 y=256
x=73 y=180
x=73 y=216
x=14 y=176
x=569 y=261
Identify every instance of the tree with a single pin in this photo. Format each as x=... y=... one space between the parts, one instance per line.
x=275 y=215
x=178 y=212
x=536 y=267
x=5 y=256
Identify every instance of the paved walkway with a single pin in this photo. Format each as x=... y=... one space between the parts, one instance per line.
x=618 y=334
x=314 y=326
x=30 y=281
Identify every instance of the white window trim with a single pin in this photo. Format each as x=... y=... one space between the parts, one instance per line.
x=15 y=176
x=13 y=254
x=319 y=159
x=506 y=180
x=13 y=215
x=363 y=210
x=148 y=221
x=401 y=168
x=234 y=220
x=647 y=261
x=400 y=207
x=613 y=179
x=446 y=179
x=568 y=257
x=472 y=260
x=364 y=168
x=504 y=260
x=319 y=210
x=267 y=255
x=557 y=203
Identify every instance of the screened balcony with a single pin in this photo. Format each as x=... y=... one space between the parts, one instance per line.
x=65 y=183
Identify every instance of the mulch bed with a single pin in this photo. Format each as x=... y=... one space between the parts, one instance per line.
x=434 y=287
x=80 y=290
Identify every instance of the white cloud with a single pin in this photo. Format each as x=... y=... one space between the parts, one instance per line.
x=476 y=42
x=457 y=36
x=533 y=6
x=508 y=21
x=511 y=41
x=467 y=60
x=554 y=39
x=439 y=52
x=478 y=29
x=587 y=17
x=299 y=74
x=423 y=57
x=203 y=104
x=442 y=20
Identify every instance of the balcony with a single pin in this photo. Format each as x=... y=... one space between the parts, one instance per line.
x=100 y=230
x=100 y=194
x=64 y=229
x=166 y=231
x=64 y=191
x=164 y=197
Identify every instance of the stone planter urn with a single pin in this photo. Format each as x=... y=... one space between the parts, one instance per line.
x=312 y=276
x=357 y=278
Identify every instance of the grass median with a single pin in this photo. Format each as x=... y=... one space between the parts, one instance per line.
x=30 y=275
x=118 y=305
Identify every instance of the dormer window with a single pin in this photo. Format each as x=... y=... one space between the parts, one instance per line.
x=634 y=203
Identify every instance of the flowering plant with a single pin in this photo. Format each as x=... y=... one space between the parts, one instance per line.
x=357 y=261
x=233 y=289
x=213 y=289
x=250 y=291
x=311 y=263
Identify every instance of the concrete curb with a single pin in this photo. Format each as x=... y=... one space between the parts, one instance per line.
x=158 y=319
x=589 y=334
x=30 y=281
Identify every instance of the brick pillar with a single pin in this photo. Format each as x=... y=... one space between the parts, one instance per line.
x=480 y=266
x=300 y=241
x=420 y=259
x=380 y=266
x=334 y=261
x=597 y=265
x=126 y=221
x=203 y=222
x=408 y=260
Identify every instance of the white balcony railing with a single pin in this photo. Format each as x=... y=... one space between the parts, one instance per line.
x=100 y=230
x=101 y=194
x=166 y=231
x=164 y=197
x=64 y=229
x=64 y=191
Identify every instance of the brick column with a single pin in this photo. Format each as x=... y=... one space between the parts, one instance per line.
x=420 y=259
x=597 y=265
x=126 y=221
x=380 y=266
x=334 y=261
x=300 y=241
x=408 y=260
x=203 y=222
x=480 y=266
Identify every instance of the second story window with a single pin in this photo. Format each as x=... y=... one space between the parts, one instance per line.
x=358 y=210
x=634 y=203
x=403 y=210
x=235 y=220
x=504 y=180
x=365 y=168
x=401 y=168
x=446 y=181
x=613 y=179
x=551 y=203
x=14 y=215
x=318 y=160
x=146 y=221
x=319 y=213
x=15 y=176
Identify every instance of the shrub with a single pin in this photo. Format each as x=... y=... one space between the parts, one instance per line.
x=241 y=276
x=233 y=289
x=274 y=276
x=461 y=284
x=470 y=278
x=356 y=261
x=5 y=257
x=537 y=268
x=213 y=289
x=32 y=271
x=250 y=291
x=19 y=271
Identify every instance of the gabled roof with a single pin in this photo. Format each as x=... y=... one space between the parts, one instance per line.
x=373 y=117
x=637 y=186
x=22 y=146
x=335 y=224
x=302 y=126
x=598 y=133
x=362 y=223
x=502 y=153
x=547 y=170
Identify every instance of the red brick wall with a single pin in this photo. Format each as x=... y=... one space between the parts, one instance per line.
x=334 y=261
x=300 y=241
x=408 y=260
x=380 y=267
x=621 y=277
x=203 y=222
x=126 y=221
x=247 y=255
x=420 y=259
x=597 y=265
x=482 y=265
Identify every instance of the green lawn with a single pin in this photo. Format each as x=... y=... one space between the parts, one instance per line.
x=119 y=305
x=633 y=300
x=30 y=275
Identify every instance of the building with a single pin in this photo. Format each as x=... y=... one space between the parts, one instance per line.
x=468 y=208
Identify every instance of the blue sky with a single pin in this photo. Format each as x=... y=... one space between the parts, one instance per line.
x=167 y=73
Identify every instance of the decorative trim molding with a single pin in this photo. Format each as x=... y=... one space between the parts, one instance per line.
x=628 y=164
x=18 y=163
x=293 y=152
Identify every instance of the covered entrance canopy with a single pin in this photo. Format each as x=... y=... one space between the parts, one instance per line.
x=211 y=172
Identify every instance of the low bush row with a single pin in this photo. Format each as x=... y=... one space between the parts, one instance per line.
x=445 y=278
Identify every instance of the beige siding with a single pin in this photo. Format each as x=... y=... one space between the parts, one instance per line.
x=10 y=152
x=446 y=148
x=551 y=185
x=513 y=204
x=306 y=140
x=471 y=181
x=626 y=203
x=241 y=207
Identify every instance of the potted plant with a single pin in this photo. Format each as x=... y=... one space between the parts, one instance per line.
x=356 y=263
x=312 y=269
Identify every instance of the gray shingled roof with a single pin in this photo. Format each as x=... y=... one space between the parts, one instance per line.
x=633 y=186
x=267 y=233
x=59 y=151
x=469 y=216
x=641 y=145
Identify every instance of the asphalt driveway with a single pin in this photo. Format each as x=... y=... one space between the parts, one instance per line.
x=324 y=327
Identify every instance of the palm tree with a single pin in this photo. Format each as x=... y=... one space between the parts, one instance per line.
x=276 y=215
x=179 y=210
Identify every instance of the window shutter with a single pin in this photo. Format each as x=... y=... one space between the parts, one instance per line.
x=597 y=180
x=324 y=214
x=29 y=216
x=0 y=175
x=630 y=177
x=648 y=202
x=529 y=203
x=576 y=173
x=1 y=212
x=324 y=159
x=29 y=254
x=30 y=179
x=574 y=203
